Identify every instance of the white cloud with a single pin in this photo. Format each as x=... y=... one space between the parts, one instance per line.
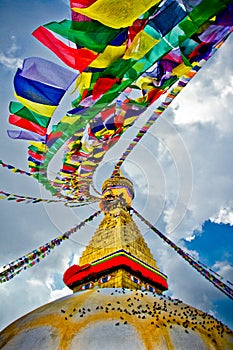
x=33 y=287
x=56 y=294
x=225 y=216
x=10 y=62
x=204 y=121
x=224 y=269
x=35 y=283
x=9 y=58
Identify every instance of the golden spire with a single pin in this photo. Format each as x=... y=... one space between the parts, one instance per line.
x=117 y=255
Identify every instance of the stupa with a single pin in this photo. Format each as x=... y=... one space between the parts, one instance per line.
x=117 y=301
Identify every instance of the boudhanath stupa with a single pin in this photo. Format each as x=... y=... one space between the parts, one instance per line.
x=118 y=300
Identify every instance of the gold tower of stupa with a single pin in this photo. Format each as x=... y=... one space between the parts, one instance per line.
x=117 y=253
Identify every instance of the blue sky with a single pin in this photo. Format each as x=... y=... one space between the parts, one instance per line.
x=214 y=245
x=215 y=238
x=184 y=185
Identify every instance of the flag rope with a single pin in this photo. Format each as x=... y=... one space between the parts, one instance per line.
x=192 y=261
x=7 y=272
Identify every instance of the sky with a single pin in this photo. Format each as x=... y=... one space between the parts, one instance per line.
x=182 y=175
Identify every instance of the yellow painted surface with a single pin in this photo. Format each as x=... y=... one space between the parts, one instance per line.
x=158 y=322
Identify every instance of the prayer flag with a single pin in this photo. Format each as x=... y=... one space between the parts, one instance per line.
x=25 y=124
x=76 y=58
x=47 y=72
x=36 y=91
x=25 y=135
x=116 y=14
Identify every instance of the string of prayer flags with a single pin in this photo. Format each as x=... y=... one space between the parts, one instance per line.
x=7 y=272
x=14 y=169
x=27 y=199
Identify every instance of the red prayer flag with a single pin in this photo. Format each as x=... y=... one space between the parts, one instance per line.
x=107 y=112
x=81 y=3
x=26 y=124
x=101 y=86
x=154 y=94
x=75 y=58
x=35 y=155
x=68 y=168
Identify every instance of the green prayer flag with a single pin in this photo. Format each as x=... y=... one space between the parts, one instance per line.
x=20 y=110
x=92 y=35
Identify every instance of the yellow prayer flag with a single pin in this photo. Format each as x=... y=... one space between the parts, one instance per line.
x=90 y=163
x=64 y=175
x=38 y=108
x=32 y=164
x=177 y=89
x=99 y=154
x=70 y=120
x=129 y=121
x=72 y=162
x=56 y=181
x=115 y=13
x=83 y=82
x=110 y=54
x=40 y=146
x=181 y=70
x=144 y=82
x=141 y=44
x=85 y=174
x=103 y=132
